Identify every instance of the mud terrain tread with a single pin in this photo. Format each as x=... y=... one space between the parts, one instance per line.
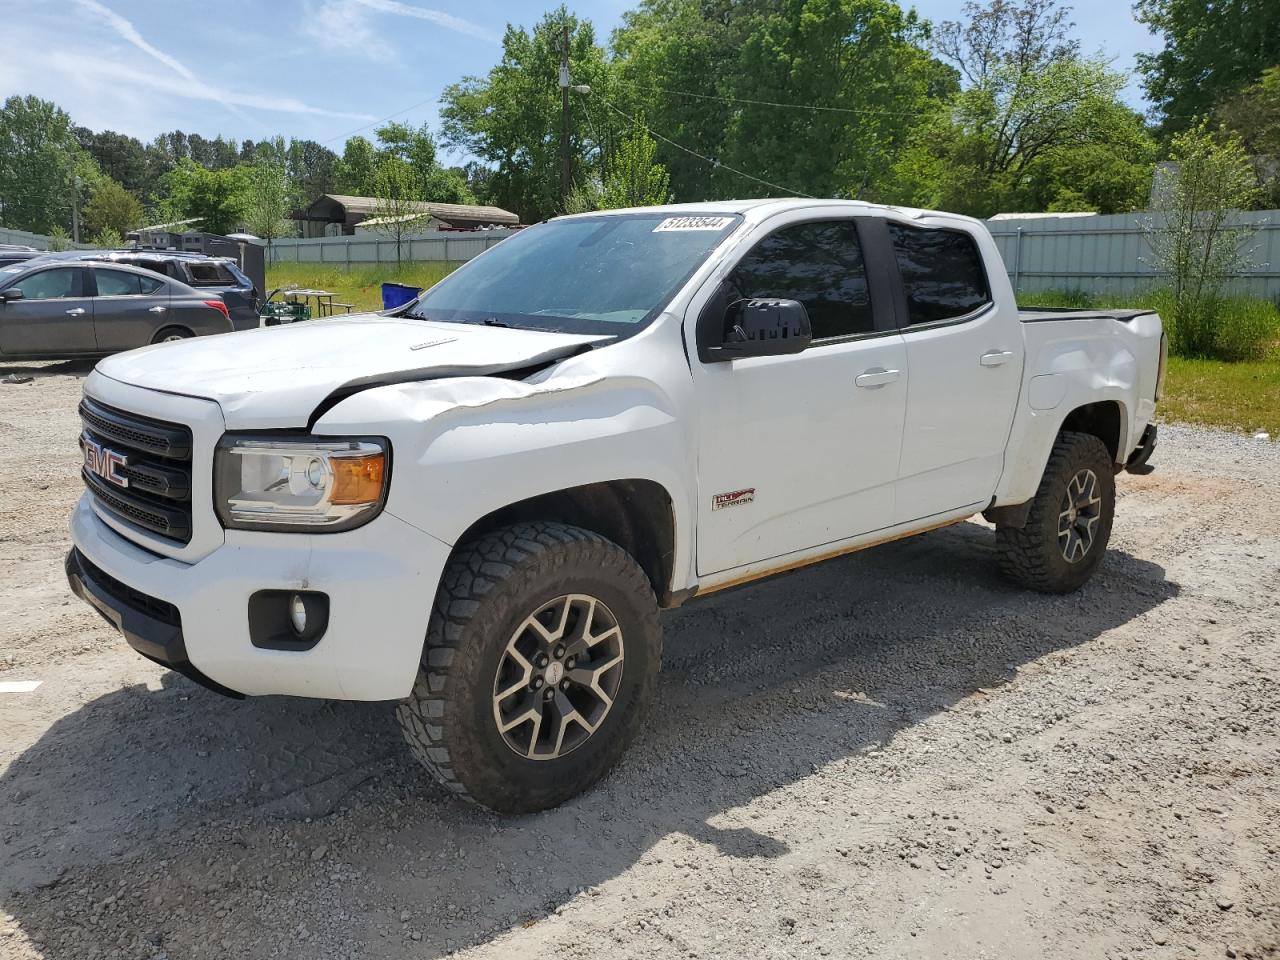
x=1025 y=554
x=474 y=571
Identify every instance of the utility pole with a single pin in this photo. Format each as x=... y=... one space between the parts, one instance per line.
x=75 y=209
x=566 y=173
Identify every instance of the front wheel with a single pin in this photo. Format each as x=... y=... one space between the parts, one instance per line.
x=1069 y=525
x=540 y=661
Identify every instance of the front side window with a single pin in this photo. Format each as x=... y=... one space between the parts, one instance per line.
x=941 y=271
x=819 y=264
x=55 y=284
x=609 y=274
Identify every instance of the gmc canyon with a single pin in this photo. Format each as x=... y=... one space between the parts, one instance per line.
x=477 y=504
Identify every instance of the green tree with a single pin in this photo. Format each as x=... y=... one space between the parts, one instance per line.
x=1036 y=126
x=214 y=197
x=1253 y=114
x=120 y=157
x=357 y=168
x=38 y=156
x=111 y=208
x=1211 y=51
x=633 y=177
x=511 y=118
x=398 y=209
x=107 y=239
x=266 y=200
x=312 y=169
x=1197 y=241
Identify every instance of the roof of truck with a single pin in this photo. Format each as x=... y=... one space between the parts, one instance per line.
x=768 y=206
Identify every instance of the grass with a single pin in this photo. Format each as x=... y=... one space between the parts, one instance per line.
x=360 y=286
x=1241 y=396
x=1244 y=396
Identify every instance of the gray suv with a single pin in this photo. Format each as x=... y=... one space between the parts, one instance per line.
x=51 y=308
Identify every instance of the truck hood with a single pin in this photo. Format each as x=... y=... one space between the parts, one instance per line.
x=278 y=377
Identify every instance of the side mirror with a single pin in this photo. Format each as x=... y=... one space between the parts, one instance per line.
x=11 y=294
x=763 y=328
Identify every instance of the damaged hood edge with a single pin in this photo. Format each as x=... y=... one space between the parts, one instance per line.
x=288 y=377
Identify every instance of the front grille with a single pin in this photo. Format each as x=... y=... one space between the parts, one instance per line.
x=156 y=466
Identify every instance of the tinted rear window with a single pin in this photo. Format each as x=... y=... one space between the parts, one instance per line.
x=941 y=271
x=209 y=274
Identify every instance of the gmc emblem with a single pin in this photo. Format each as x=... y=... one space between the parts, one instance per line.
x=105 y=463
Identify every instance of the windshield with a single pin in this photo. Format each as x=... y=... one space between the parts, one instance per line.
x=600 y=274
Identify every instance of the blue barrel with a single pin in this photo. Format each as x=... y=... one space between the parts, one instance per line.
x=398 y=294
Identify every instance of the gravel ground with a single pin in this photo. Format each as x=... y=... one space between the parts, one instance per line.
x=891 y=754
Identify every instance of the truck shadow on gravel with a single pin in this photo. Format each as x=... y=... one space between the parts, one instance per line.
x=761 y=687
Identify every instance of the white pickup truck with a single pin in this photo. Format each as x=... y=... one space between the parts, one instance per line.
x=477 y=504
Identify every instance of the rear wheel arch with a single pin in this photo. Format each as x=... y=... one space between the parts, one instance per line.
x=173 y=331
x=638 y=515
x=1104 y=419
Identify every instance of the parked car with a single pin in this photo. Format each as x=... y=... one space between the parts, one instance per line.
x=601 y=416
x=16 y=253
x=85 y=309
x=214 y=275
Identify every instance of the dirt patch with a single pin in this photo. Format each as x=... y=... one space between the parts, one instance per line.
x=894 y=753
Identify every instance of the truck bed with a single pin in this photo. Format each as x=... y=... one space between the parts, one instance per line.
x=1042 y=314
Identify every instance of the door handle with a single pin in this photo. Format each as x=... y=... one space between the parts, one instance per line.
x=993 y=358
x=76 y=312
x=157 y=309
x=876 y=378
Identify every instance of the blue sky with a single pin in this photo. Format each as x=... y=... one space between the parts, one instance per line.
x=315 y=68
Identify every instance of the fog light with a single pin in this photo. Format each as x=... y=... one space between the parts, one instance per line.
x=287 y=619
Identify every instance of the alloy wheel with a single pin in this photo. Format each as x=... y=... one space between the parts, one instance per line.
x=1078 y=519
x=558 y=677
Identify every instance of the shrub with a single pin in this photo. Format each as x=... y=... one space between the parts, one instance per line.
x=1245 y=329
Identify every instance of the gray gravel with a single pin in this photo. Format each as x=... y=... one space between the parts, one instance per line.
x=892 y=754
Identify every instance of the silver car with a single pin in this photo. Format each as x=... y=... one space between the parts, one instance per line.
x=84 y=309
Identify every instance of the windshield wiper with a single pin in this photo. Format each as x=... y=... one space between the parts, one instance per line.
x=495 y=322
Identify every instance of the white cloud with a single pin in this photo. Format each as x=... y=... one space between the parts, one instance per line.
x=193 y=87
x=448 y=21
x=345 y=25
x=95 y=69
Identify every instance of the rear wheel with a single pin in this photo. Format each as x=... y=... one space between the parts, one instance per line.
x=540 y=661
x=172 y=334
x=1067 y=530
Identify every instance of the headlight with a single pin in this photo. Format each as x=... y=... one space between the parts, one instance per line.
x=293 y=483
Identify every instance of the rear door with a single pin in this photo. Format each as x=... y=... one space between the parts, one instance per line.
x=54 y=317
x=128 y=308
x=965 y=353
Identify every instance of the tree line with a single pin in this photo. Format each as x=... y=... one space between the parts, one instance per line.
x=999 y=110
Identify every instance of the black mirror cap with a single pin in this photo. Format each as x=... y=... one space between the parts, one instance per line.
x=763 y=328
x=9 y=295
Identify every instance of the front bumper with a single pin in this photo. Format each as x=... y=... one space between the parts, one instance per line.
x=152 y=627
x=193 y=617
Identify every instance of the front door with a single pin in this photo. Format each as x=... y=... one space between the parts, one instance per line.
x=965 y=355
x=54 y=318
x=801 y=450
x=129 y=309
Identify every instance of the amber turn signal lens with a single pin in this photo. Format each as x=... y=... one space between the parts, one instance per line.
x=357 y=479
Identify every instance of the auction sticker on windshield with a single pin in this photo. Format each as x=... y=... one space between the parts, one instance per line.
x=692 y=223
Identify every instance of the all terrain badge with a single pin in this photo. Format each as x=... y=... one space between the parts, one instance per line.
x=734 y=499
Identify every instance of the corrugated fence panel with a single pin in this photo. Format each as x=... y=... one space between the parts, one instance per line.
x=1111 y=255
x=365 y=249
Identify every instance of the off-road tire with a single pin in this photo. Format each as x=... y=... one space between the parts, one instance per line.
x=488 y=588
x=1032 y=555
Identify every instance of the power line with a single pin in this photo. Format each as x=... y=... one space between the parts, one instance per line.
x=345 y=136
x=694 y=153
x=817 y=108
